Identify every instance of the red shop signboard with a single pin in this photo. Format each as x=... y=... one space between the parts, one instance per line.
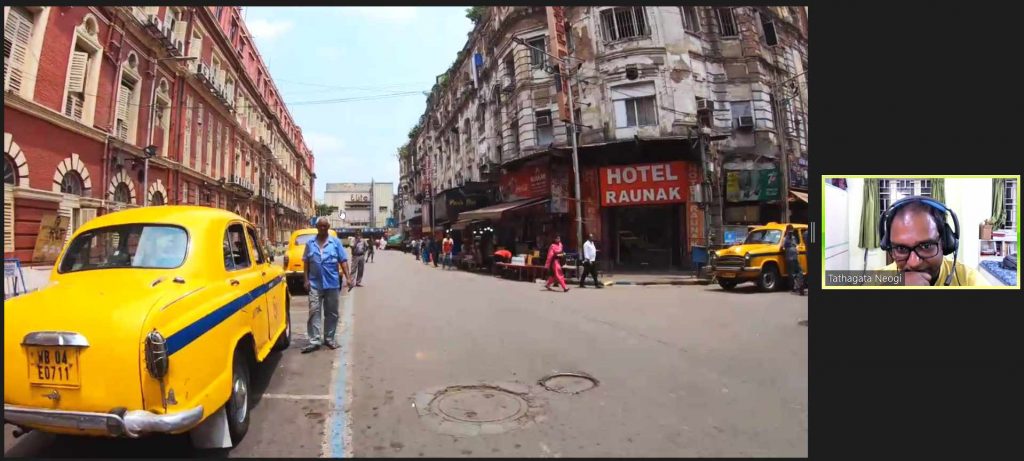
x=531 y=181
x=645 y=184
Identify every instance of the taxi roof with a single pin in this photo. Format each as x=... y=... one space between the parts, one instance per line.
x=182 y=215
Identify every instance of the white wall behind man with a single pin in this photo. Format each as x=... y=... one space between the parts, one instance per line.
x=971 y=199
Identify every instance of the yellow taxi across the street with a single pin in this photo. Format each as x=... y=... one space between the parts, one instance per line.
x=760 y=258
x=152 y=322
x=293 y=264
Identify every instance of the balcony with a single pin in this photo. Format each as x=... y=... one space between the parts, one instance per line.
x=240 y=185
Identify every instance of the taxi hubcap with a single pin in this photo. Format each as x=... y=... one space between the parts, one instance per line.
x=240 y=399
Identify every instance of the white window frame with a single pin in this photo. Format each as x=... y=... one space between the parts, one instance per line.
x=549 y=129
x=1010 y=201
x=30 y=66
x=130 y=76
x=691 y=25
x=891 y=190
x=611 y=34
x=163 y=102
x=622 y=95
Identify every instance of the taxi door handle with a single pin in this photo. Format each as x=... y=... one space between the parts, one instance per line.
x=264 y=273
x=233 y=282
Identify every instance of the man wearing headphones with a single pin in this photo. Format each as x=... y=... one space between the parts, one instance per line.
x=915 y=233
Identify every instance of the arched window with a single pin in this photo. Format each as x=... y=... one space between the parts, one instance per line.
x=157 y=198
x=72 y=183
x=10 y=172
x=122 y=193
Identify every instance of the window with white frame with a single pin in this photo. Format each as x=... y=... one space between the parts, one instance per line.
x=194 y=161
x=74 y=106
x=195 y=46
x=83 y=72
x=691 y=20
x=209 y=146
x=1010 y=202
x=127 y=100
x=726 y=22
x=17 y=35
x=624 y=23
x=892 y=190
x=742 y=117
x=635 y=105
x=545 y=132
x=162 y=113
x=538 y=58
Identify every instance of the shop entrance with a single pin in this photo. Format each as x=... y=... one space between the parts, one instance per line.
x=646 y=237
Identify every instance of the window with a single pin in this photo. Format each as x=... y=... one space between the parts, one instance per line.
x=691 y=22
x=741 y=113
x=236 y=250
x=10 y=172
x=768 y=30
x=260 y=255
x=1010 y=196
x=127 y=102
x=199 y=139
x=184 y=192
x=75 y=105
x=538 y=59
x=545 y=132
x=133 y=245
x=635 y=105
x=704 y=117
x=234 y=32
x=624 y=23
x=122 y=193
x=17 y=34
x=726 y=22
x=195 y=47
x=72 y=183
x=157 y=198
x=891 y=190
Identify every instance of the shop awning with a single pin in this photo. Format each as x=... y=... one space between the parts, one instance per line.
x=795 y=196
x=464 y=223
x=495 y=211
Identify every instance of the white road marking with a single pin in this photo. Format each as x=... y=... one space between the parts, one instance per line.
x=296 y=397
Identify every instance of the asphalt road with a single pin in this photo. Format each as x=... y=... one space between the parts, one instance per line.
x=681 y=371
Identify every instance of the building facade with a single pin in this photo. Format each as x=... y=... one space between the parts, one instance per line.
x=91 y=92
x=364 y=204
x=677 y=113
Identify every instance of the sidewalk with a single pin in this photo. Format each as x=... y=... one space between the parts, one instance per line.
x=654 y=278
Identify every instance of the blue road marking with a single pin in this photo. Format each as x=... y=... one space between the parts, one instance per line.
x=340 y=420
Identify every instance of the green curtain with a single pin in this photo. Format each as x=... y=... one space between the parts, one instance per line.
x=939 y=189
x=998 y=203
x=869 y=215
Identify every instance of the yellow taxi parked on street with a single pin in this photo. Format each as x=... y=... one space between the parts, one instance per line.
x=293 y=264
x=152 y=322
x=760 y=258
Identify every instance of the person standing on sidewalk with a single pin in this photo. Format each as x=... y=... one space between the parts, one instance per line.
x=322 y=259
x=370 y=247
x=415 y=245
x=791 y=249
x=589 y=262
x=554 y=265
x=446 y=251
x=359 y=249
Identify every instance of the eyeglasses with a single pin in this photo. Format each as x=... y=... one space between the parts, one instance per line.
x=924 y=250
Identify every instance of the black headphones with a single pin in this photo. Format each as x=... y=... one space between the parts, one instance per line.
x=950 y=237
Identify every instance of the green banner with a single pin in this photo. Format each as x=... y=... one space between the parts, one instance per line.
x=752 y=185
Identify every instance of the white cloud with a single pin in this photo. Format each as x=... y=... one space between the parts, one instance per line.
x=264 y=29
x=393 y=14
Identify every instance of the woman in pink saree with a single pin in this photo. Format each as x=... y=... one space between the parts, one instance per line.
x=553 y=264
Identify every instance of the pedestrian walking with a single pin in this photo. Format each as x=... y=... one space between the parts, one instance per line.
x=446 y=252
x=359 y=250
x=790 y=246
x=415 y=245
x=322 y=259
x=589 y=262
x=370 y=248
x=554 y=264
x=435 y=251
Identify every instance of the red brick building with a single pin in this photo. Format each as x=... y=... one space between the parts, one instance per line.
x=88 y=89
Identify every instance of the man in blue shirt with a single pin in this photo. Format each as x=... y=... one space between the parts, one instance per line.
x=323 y=257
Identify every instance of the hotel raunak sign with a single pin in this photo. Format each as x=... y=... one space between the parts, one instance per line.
x=645 y=184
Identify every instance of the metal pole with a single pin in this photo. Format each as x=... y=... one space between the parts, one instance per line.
x=145 y=182
x=781 y=117
x=575 y=169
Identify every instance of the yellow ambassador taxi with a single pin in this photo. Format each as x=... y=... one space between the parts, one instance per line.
x=152 y=322
x=760 y=258
x=293 y=264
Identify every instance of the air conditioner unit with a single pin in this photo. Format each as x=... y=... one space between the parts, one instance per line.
x=180 y=45
x=705 y=105
x=155 y=21
x=745 y=122
x=201 y=69
x=544 y=120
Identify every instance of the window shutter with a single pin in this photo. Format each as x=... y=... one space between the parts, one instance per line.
x=66 y=212
x=8 y=220
x=86 y=214
x=76 y=75
x=123 y=94
x=17 y=33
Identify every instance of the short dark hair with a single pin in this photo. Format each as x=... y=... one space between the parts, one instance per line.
x=938 y=216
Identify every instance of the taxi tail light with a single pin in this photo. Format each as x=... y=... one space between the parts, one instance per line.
x=157 y=360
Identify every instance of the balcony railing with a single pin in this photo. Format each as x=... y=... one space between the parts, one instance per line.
x=241 y=183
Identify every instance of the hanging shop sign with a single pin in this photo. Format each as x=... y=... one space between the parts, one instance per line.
x=645 y=184
x=560 y=189
x=530 y=181
x=591 y=206
x=752 y=185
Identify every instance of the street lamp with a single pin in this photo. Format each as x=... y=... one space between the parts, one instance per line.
x=150 y=152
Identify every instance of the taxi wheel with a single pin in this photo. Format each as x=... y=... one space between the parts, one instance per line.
x=769 y=278
x=285 y=339
x=237 y=408
x=727 y=284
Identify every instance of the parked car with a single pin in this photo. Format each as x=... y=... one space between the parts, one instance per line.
x=152 y=322
x=759 y=258
x=293 y=265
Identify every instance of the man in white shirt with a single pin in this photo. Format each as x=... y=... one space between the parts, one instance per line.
x=589 y=259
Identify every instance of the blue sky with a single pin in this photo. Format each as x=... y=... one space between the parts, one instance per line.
x=367 y=51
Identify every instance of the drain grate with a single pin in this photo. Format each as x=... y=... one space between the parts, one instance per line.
x=477 y=408
x=569 y=383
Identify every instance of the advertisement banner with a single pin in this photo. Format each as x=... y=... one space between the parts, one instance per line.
x=530 y=181
x=560 y=190
x=645 y=184
x=591 y=205
x=752 y=185
x=694 y=215
x=53 y=230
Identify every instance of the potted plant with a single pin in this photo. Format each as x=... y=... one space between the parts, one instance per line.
x=986 y=230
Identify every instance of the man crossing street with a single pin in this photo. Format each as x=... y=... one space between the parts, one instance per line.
x=589 y=262
x=359 y=249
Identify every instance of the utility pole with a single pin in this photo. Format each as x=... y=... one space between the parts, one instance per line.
x=780 y=122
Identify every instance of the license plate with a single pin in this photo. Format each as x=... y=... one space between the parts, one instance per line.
x=53 y=366
x=727 y=275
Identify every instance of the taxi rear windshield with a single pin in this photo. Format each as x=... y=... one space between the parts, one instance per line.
x=303 y=239
x=131 y=245
x=771 y=236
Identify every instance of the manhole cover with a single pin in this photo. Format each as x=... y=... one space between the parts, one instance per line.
x=478 y=408
x=480 y=405
x=569 y=383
